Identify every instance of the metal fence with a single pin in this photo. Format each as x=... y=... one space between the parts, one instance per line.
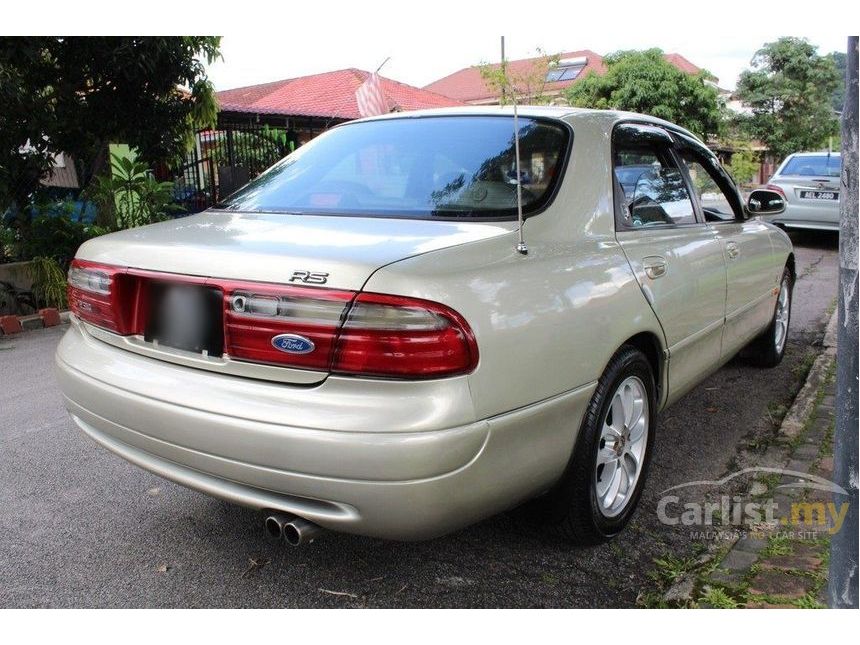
x=223 y=160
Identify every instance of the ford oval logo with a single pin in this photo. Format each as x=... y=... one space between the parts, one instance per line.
x=293 y=344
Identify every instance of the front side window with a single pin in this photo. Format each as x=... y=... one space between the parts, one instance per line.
x=714 y=198
x=447 y=167
x=652 y=185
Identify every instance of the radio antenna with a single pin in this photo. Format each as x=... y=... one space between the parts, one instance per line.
x=521 y=245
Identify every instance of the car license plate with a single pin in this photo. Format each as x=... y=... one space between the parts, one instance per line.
x=821 y=195
x=186 y=317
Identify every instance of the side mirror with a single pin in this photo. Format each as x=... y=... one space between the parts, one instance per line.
x=765 y=202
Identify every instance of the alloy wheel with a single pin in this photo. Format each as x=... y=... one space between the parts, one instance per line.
x=621 y=451
x=783 y=306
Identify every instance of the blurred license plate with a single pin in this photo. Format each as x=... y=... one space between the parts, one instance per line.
x=824 y=195
x=186 y=317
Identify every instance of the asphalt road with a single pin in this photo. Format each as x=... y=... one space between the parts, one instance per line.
x=80 y=527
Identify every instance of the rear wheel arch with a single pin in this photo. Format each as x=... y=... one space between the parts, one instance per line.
x=649 y=344
x=572 y=507
x=789 y=263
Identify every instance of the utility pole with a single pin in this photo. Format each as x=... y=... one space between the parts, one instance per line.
x=842 y=587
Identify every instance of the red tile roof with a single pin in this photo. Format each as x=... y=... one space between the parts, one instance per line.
x=467 y=84
x=682 y=63
x=327 y=95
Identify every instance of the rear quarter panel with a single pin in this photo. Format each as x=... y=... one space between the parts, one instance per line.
x=549 y=321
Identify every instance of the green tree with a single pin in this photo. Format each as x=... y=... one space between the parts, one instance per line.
x=527 y=82
x=744 y=165
x=76 y=94
x=645 y=82
x=789 y=90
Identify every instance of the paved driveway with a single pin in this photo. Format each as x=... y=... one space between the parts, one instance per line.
x=80 y=527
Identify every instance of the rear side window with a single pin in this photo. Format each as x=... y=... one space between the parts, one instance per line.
x=425 y=167
x=654 y=190
x=813 y=166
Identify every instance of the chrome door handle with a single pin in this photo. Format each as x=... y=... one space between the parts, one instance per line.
x=655 y=266
x=732 y=250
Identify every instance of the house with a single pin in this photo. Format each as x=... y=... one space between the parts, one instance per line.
x=469 y=86
x=62 y=174
x=311 y=104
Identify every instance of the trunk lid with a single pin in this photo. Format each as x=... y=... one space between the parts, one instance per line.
x=219 y=260
x=796 y=186
x=269 y=247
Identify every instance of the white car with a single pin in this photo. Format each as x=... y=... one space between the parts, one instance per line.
x=356 y=341
x=809 y=184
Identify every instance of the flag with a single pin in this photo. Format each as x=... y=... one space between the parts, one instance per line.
x=369 y=97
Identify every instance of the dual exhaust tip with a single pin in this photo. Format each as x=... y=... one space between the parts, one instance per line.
x=293 y=530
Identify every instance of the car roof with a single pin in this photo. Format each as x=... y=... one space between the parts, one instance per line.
x=816 y=154
x=606 y=118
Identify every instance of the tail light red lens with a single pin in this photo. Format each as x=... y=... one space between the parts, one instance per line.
x=776 y=189
x=97 y=295
x=362 y=334
x=255 y=315
x=404 y=337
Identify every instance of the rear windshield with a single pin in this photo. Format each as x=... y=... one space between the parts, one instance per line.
x=426 y=167
x=813 y=166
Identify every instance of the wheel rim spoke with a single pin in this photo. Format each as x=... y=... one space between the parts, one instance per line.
x=611 y=495
x=617 y=412
x=608 y=474
x=627 y=402
x=606 y=455
x=637 y=432
x=631 y=464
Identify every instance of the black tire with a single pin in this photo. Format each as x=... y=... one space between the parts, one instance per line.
x=764 y=351
x=571 y=508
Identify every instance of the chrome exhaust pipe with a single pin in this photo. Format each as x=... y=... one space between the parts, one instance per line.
x=275 y=524
x=300 y=531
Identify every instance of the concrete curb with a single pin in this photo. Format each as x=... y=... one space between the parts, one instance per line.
x=804 y=402
x=49 y=317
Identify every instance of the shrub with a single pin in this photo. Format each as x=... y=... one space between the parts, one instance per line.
x=57 y=237
x=49 y=282
x=132 y=194
x=743 y=166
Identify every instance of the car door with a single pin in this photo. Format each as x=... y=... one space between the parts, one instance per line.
x=749 y=256
x=676 y=257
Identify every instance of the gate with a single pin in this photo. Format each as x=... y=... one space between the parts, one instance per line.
x=225 y=159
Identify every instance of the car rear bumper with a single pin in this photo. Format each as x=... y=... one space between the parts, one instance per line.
x=812 y=215
x=382 y=463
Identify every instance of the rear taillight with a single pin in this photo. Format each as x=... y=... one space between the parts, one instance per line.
x=404 y=337
x=776 y=189
x=362 y=334
x=368 y=334
x=97 y=296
